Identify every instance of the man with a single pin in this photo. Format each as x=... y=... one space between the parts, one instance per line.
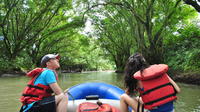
x=37 y=96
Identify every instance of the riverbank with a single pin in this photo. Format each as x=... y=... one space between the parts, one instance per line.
x=188 y=78
x=11 y=73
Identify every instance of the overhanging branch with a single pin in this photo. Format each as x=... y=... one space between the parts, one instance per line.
x=101 y=4
x=157 y=35
x=193 y=4
x=126 y=5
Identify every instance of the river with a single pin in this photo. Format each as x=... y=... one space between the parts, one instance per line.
x=11 y=88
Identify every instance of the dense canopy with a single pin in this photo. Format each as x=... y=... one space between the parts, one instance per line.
x=99 y=34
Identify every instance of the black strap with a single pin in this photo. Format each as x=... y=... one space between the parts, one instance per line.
x=92 y=97
x=138 y=107
x=49 y=91
x=30 y=95
x=153 y=89
x=151 y=102
x=36 y=87
x=142 y=107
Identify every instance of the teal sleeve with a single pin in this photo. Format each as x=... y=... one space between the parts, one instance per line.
x=50 y=77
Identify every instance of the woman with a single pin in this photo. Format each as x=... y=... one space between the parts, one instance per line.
x=156 y=88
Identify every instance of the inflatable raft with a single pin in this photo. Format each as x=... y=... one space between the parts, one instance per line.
x=93 y=92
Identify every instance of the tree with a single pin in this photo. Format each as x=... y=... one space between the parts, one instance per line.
x=193 y=3
x=32 y=29
x=150 y=22
x=115 y=36
x=151 y=19
x=55 y=39
x=182 y=49
x=22 y=23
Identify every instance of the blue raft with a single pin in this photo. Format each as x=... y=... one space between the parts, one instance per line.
x=103 y=90
x=106 y=94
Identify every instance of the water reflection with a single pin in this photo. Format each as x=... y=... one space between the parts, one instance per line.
x=71 y=79
x=189 y=98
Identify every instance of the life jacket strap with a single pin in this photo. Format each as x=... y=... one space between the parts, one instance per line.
x=154 y=101
x=153 y=89
x=30 y=95
x=36 y=87
x=138 y=107
x=40 y=88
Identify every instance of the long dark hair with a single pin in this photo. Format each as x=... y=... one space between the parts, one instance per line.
x=135 y=63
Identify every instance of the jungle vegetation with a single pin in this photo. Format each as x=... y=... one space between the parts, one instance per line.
x=99 y=34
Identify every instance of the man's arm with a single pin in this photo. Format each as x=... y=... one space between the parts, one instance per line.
x=56 y=88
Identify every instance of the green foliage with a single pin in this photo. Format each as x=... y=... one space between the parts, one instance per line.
x=23 y=22
x=183 y=51
x=33 y=28
x=124 y=25
x=5 y=65
x=81 y=51
x=116 y=36
x=24 y=63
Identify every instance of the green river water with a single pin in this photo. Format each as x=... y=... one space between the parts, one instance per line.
x=11 y=88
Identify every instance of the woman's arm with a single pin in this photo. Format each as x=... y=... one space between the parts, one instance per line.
x=178 y=90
